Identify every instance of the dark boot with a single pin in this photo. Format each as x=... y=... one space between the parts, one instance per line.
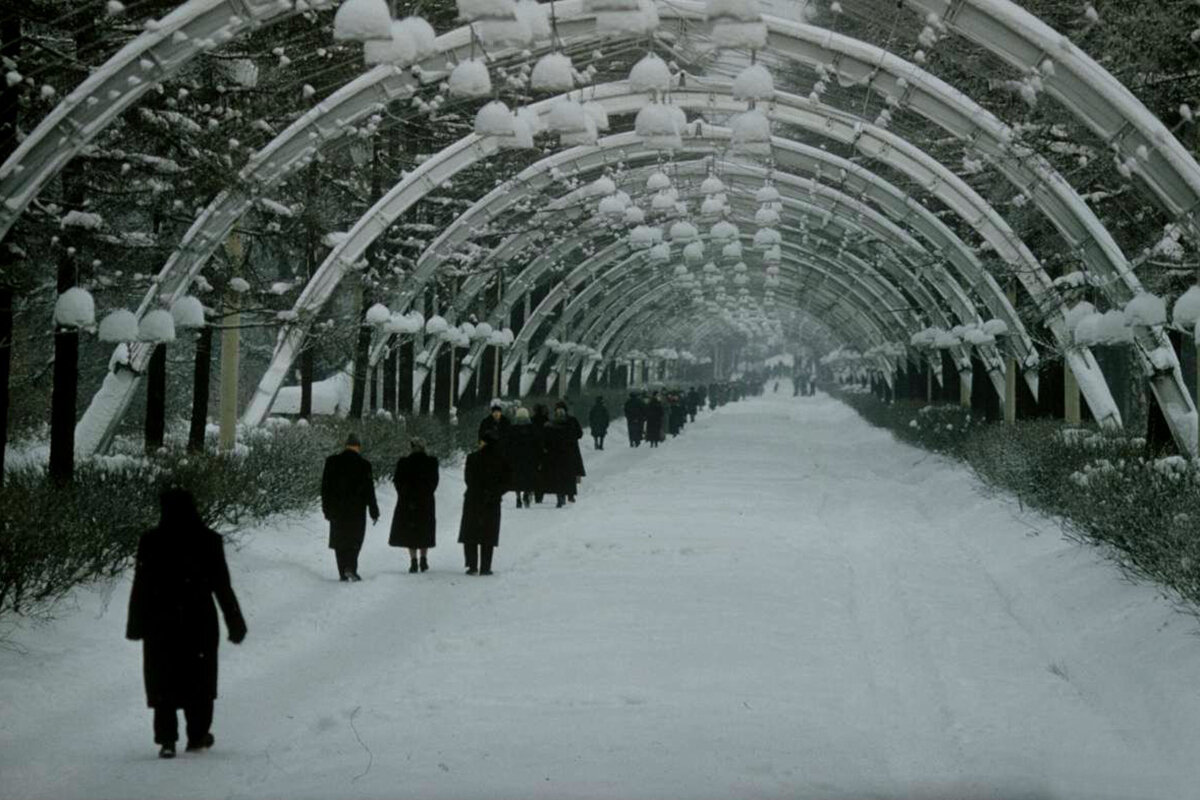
x=412 y=566
x=424 y=565
x=167 y=751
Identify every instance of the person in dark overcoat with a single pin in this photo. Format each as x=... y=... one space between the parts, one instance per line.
x=654 y=420
x=488 y=476
x=525 y=452
x=576 y=454
x=635 y=419
x=676 y=414
x=598 y=420
x=414 y=524
x=180 y=568
x=539 y=420
x=693 y=403
x=495 y=421
x=347 y=494
x=558 y=474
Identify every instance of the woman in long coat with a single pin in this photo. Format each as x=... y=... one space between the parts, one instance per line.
x=180 y=568
x=488 y=476
x=525 y=451
x=578 y=472
x=560 y=470
x=598 y=420
x=414 y=524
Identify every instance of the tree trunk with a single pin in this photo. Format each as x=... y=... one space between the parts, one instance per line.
x=362 y=354
x=64 y=395
x=200 y=388
x=310 y=256
x=6 y=327
x=156 y=398
x=306 y=380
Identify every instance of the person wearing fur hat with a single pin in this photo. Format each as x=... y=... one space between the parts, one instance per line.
x=414 y=524
x=526 y=453
x=495 y=421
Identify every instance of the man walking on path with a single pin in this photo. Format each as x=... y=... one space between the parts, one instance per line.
x=488 y=476
x=347 y=494
x=598 y=421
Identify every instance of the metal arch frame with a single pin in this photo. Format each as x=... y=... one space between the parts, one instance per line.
x=864 y=218
x=966 y=310
x=622 y=272
x=616 y=294
x=1130 y=110
x=1087 y=90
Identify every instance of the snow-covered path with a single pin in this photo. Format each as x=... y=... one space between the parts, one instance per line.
x=783 y=602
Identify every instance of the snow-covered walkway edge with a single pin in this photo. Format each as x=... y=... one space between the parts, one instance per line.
x=783 y=602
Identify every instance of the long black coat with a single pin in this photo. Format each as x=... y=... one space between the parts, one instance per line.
x=525 y=451
x=180 y=568
x=635 y=418
x=654 y=421
x=562 y=448
x=500 y=426
x=577 y=454
x=347 y=493
x=598 y=419
x=488 y=476
x=414 y=523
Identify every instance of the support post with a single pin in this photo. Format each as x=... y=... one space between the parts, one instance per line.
x=200 y=378
x=156 y=399
x=1071 y=410
x=230 y=342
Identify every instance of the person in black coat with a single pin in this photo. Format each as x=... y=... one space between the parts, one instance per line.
x=495 y=421
x=488 y=476
x=180 y=568
x=654 y=420
x=694 y=402
x=347 y=494
x=635 y=419
x=559 y=470
x=539 y=420
x=598 y=420
x=525 y=452
x=576 y=429
x=676 y=415
x=414 y=525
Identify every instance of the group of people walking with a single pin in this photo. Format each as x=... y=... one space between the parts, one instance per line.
x=181 y=565
x=650 y=416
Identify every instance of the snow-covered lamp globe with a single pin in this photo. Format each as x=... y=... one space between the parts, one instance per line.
x=119 y=326
x=378 y=315
x=75 y=308
x=157 y=326
x=188 y=312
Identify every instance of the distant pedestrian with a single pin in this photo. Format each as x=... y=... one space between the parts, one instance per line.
x=180 y=568
x=694 y=402
x=526 y=453
x=488 y=476
x=598 y=421
x=347 y=494
x=539 y=420
x=635 y=419
x=414 y=524
x=654 y=420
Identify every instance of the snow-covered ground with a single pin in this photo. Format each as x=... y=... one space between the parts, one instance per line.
x=783 y=602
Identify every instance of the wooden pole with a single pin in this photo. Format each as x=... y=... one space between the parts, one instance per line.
x=230 y=342
x=1010 y=373
x=1071 y=411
